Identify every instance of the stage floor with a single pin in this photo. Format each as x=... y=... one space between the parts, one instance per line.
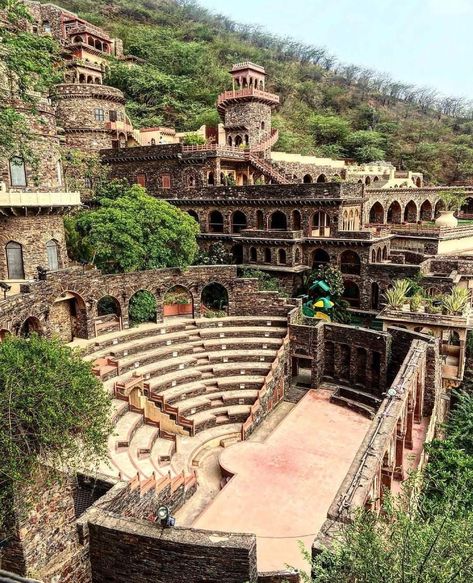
x=282 y=488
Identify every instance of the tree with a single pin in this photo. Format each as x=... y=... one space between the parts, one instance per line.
x=329 y=129
x=142 y=307
x=452 y=199
x=216 y=255
x=135 y=232
x=53 y=409
x=365 y=146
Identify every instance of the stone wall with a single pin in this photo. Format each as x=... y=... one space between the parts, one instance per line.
x=246 y=119
x=128 y=550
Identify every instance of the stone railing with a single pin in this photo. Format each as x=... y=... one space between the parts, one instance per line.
x=270 y=234
x=14 y=198
x=81 y=27
x=247 y=92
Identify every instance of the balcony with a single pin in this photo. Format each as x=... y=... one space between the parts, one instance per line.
x=247 y=94
x=270 y=234
x=11 y=201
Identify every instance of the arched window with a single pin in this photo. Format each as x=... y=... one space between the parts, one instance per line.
x=282 y=258
x=239 y=221
x=296 y=221
x=351 y=294
x=322 y=178
x=410 y=212
x=191 y=181
x=216 y=222
x=211 y=178
x=426 y=211
x=394 y=213
x=259 y=220
x=247 y=139
x=278 y=221
x=253 y=255
x=238 y=141
x=15 y=265
x=385 y=253
x=267 y=255
x=320 y=224
x=367 y=181
x=350 y=263
x=307 y=179
x=17 y=171
x=377 y=214
x=378 y=256
x=52 y=251
x=262 y=125
x=320 y=258
x=153 y=142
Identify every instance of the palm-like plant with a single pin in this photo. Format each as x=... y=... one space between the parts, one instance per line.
x=457 y=301
x=397 y=295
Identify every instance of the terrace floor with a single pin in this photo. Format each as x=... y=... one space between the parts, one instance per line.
x=281 y=488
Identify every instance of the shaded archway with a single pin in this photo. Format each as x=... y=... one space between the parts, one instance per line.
x=440 y=206
x=320 y=258
x=377 y=213
x=239 y=221
x=260 y=220
x=31 y=325
x=410 y=212
x=350 y=263
x=178 y=301
x=109 y=315
x=253 y=255
x=142 y=308
x=351 y=294
x=322 y=178
x=267 y=255
x=237 y=254
x=214 y=298
x=296 y=221
x=68 y=317
x=394 y=213
x=282 y=257
x=378 y=255
x=307 y=179
x=374 y=295
x=426 y=211
x=278 y=221
x=367 y=181
x=216 y=222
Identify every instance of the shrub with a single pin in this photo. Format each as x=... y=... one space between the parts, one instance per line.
x=142 y=308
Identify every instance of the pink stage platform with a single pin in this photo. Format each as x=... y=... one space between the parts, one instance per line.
x=281 y=489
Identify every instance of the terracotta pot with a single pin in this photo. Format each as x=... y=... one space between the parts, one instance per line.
x=184 y=309
x=171 y=310
x=446 y=219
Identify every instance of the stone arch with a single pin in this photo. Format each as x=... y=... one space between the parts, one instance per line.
x=239 y=222
x=282 y=257
x=320 y=257
x=367 y=181
x=82 y=78
x=238 y=140
x=142 y=307
x=267 y=255
x=68 y=316
x=278 y=221
x=410 y=212
x=350 y=263
x=211 y=178
x=90 y=79
x=15 y=261
x=31 y=325
x=377 y=213
x=378 y=255
x=108 y=305
x=320 y=224
x=307 y=179
x=216 y=222
x=351 y=293
x=259 y=220
x=178 y=300
x=439 y=206
x=376 y=179
x=385 y=252
x=214 y=296
x=321 y=178
x=373 y=256
x=253 y=255
x=296 y=220
x=394 y=213
x=426 y=211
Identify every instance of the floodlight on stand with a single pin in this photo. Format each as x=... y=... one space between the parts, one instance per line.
x=164 y=517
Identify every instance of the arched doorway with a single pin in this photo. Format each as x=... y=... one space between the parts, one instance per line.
x=296 y=221
x=31 y=326
x=68 y=317
x=253 y=255
x=178 y=301
x=320 y=258
x=282 y=257
x=350 y=263
x=426 y=211
x=142 y=308
x=239 y=221
x=278 y=221
x=109 y=315
x=377 y=214
x=259 y=220
x=15 y=265
x=214 y=298
x=322 y=178
x=351 y=294
x=215 y=222
x=394 y=213
x=410 y=212
x=307 y=179
x=237 y=254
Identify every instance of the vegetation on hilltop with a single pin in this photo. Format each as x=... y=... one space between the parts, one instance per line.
x=328 y=108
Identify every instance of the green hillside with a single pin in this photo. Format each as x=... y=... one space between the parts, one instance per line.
x=327 y=108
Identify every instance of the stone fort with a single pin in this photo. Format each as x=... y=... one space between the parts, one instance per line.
x=254 y=427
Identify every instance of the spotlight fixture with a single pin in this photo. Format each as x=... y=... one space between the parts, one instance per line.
x=165 y=518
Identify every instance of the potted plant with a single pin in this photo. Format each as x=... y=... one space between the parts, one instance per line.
x=455 y=303
x=453 y=200
x=417 y=303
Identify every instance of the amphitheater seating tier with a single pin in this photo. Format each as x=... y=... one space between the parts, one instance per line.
x=206 y=372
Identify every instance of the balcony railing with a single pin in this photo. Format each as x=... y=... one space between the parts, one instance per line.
x=247 y=92
x=35 y=199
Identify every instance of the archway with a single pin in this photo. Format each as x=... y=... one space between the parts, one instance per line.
x=278 y=221
x=410 y=212
x=31 y=326
x=109 y=315
x=419 y=182
x=68 y=317
x=440 y=206
x=282 y=257
x=378 y=255
x=238 y=141
x=350 y=263
x=320 y=224
x=394 y=213
x=259 y=220
x=15 y=265
x=320 y=258
x=377 y=214
x=385 y=253
x=239 y=221
x=367 y=181
x=142 y=308
x=296 y=221
x=52 y=252
x=307 y=179
x=322 y=178
x=426 y=211
x=237 y=254
x=214 y=298
x=253 y=255
x=215 y=222
x=351 y=294
x=178 y=301
x=267 y=255
x=211 y=178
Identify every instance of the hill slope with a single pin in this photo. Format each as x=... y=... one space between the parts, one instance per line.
x=344 y=112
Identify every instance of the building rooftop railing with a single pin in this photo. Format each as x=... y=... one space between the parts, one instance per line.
x=247 y=92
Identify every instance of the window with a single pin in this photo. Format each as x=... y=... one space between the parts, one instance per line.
x=99 y=115
x=52 y=250
x=112 y=115
x=17 y=171
x=165 y=181
x=153 y=142
x=46 y=26
x=15 y=260
x=141 y=179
